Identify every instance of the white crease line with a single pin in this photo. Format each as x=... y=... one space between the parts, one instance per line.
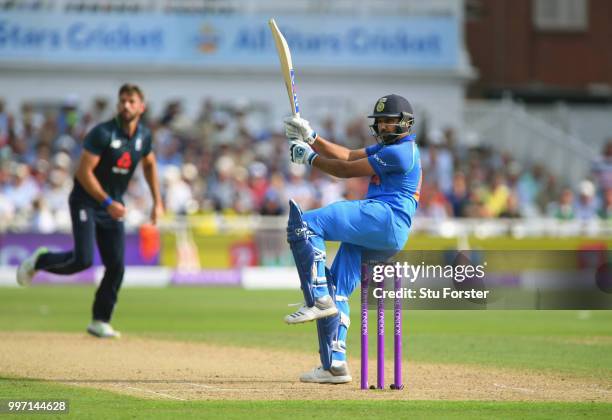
x=156 y=393
x=214 y=388
x=210 y=387
x=526 y=390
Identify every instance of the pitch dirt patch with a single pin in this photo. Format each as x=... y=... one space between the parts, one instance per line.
x=197 y=371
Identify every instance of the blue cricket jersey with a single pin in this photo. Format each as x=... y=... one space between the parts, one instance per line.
x=398 y=176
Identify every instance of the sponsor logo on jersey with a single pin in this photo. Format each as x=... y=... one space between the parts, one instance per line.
x=138 y=144
x=123 y=164
x=379 y=160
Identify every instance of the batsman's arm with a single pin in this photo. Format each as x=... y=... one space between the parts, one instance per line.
x=331 y=150
x=344 y=168
x=84 y=174
x=149 y=167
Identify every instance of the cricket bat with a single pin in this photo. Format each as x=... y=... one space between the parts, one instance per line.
x=284 y=56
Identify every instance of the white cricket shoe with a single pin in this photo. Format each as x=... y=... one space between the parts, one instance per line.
x=339 y=368
x=26 y=270
x=321 y=376
x=322 y=308
x=102 y=330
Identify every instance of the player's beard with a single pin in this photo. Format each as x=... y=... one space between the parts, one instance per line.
x=128 y=116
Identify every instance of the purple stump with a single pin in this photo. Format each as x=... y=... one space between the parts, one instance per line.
x=380 y=342
x=364 y=327
x=397 y=336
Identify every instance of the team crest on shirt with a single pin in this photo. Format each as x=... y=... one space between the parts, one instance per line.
x=138 y=145
x=115 y=142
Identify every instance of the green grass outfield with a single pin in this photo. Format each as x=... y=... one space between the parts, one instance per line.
x=574 y=343
x=87 y=403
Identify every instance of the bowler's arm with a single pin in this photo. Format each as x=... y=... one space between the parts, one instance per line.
x=149 y=168
x=85 y=175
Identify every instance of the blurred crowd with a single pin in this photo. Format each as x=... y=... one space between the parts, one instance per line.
x=225 y=160
x=479 y=182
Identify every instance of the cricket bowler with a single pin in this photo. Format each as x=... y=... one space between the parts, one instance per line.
x=379 y=223
x=111 y=152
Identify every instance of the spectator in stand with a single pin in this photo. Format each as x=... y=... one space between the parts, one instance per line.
x=178 y=196
x=7 y=209
x=586 y=205
x=258 y=182
x=243 y=200
x=329 y=189
x=458 y=198
x=69 y=115
x=438 y=162
x=195 y=182
x=527 y=190
x=5 y=125
x=272 y=205
x=23 y=190
x=100 y=112
x=605 y=212
x=221 y=188
x=57 y=189
x=177 y=119
x=299 y=189
x=477 y=196
x=497 y=200
x=564 y=208
x=433 y=203
x=512 y=208
x=224 y=130
x=329 y=129
x=49 y=130
x=602 y=169
x=42 y=220
x=170 y=154
x=276 y=197
x=27 y=133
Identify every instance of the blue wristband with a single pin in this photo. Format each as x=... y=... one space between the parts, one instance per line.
x=107 y=202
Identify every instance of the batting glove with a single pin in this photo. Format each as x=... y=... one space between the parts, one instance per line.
x=301 y=152
x=299 y=128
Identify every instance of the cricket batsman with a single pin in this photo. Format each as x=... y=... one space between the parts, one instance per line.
x=380 y=223
x=111 y=152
